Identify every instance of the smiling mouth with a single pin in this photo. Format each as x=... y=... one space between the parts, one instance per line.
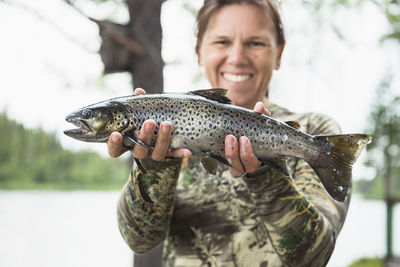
x=236 y=77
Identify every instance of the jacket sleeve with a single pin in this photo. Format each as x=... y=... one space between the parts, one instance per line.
x=147 y=203
x=300 y=218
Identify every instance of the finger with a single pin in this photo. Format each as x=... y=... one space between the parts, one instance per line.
x=115 y=145
x=260 y=108
x=247 y=157
x=139 y=91
x=179 y=153
x=146 y=134
x=232 y=156
x=162 y=142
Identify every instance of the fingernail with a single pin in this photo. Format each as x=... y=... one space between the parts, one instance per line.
x=149 y=127
x=114 y=138
x=229 y=161
x=230 y=141
x=243 y=144
x=234 y=172
x=243 y=141
x=166 y=128
x=186 y=154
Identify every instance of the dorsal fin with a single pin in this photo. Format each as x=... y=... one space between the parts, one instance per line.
x=294 y=124
x=217 y=94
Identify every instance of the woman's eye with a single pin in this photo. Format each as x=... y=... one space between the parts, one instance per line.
x=222 y=42
x=256 y=44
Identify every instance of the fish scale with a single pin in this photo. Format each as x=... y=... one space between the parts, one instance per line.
x=202 y=119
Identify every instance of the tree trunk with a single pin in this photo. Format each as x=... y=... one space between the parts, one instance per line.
x=136 y=46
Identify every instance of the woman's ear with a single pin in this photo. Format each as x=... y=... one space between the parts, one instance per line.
x=279 y=56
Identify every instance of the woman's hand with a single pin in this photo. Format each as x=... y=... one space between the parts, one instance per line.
x=161 y=148
x=239 y=153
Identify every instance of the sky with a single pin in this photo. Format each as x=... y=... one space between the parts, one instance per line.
x=49 y=64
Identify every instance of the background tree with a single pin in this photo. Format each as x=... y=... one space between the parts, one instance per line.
x=384 y=152
x=134 y=47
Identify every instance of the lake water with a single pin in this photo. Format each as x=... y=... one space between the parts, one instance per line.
x=79 y=229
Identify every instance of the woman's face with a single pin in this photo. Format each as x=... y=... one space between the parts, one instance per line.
x=239 y=52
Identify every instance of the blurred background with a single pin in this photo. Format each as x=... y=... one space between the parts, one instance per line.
x=58 y=196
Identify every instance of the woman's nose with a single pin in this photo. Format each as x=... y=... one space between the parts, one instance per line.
x=236 y=55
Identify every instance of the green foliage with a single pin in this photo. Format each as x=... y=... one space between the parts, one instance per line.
x=367 y=262
x=391 y=9
x=384 y=151
x=32 y=158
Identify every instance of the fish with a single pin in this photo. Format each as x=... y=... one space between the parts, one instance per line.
x=203 y=118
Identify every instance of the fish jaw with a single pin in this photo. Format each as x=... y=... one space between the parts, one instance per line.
x=83 y=132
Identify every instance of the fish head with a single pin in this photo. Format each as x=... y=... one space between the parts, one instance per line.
x=95 y=123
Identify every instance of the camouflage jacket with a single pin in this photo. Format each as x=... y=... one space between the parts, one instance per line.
x=217 y=220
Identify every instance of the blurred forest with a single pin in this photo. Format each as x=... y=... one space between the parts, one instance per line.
x=383 y=153
x=34 y=159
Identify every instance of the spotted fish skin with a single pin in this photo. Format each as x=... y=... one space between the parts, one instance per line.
x=202 y=119
x=201 y=125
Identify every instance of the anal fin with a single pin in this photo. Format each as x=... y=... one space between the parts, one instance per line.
x=209 y=164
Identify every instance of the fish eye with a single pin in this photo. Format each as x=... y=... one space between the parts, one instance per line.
x=87 y=114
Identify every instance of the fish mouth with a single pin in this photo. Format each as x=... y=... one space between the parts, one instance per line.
x=82 y=128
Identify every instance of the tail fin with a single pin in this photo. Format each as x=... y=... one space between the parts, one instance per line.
x=336 y=175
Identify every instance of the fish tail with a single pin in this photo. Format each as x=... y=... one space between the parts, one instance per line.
x=336 y=174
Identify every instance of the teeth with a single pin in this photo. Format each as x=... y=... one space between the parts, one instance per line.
x=236 y=78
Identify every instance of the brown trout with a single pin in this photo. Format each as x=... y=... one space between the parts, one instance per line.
x=203 y=118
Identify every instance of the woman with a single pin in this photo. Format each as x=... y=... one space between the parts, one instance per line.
x=264 y=218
